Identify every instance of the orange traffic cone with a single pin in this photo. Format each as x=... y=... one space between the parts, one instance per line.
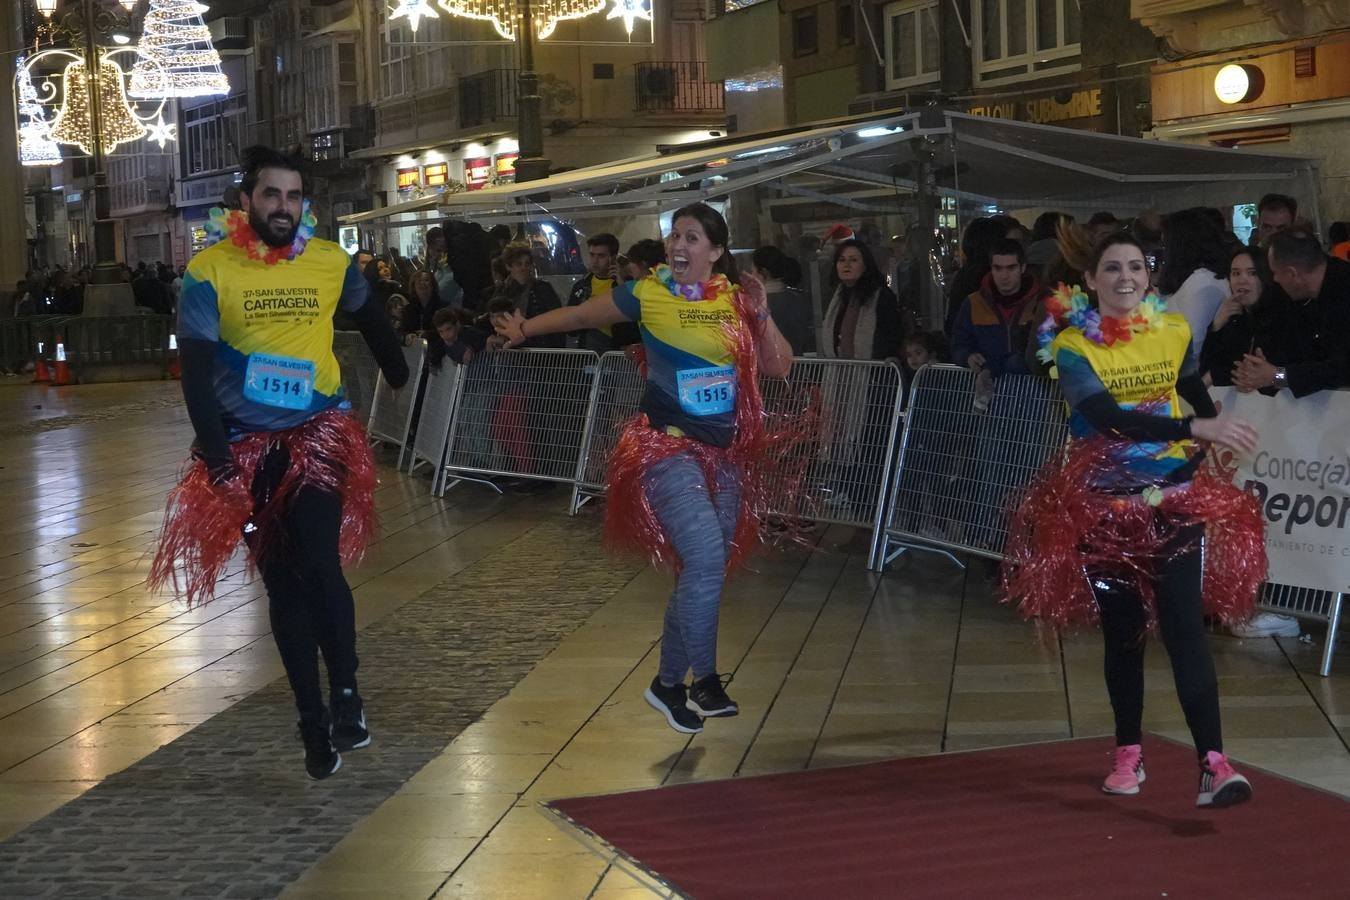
x=62 y=377
x=41 y=375
x=175 y=371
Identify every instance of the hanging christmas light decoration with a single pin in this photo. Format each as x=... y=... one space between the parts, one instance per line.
x=36 y=147
x=414 y=11
x=630 y=10
x=162 y=132
x=176 y=55
x=505 y=15
x=74 y=124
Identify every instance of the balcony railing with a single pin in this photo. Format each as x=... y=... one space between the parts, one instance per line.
x=677 y=87
x=487 y=97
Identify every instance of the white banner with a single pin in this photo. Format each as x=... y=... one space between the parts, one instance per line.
x=1301 y=474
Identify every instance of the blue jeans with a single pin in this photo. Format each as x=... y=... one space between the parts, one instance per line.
x=700 y=524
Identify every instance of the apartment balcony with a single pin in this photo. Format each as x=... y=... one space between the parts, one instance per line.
x=677 y=87
x=487 y=97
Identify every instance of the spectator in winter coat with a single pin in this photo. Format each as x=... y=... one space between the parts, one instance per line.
x=863 y=319
x=995 y=322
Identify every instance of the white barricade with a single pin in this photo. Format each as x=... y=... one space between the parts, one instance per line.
x=359 y=371
x=520 y=414
x=618 y=389
x=433 y=425
x=841 y=477
x=391 y=411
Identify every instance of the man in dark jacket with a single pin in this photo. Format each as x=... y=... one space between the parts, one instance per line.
x=1307 y=351
x=994 y=324
x=602 y=276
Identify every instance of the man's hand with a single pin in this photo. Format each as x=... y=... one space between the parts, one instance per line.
x=1253 y=372
x=496 y=342
x=508 y=326
x=975 y=361
x=222 y=473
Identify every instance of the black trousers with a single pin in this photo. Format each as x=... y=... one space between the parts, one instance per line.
x=309 y=601
x=1177 y=585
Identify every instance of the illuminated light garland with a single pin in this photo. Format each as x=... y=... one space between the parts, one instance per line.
x=36 y=146
x=73 y=124
x=176 y=55
x=504 y=14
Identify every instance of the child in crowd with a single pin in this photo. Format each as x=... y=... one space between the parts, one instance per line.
x=463 y=338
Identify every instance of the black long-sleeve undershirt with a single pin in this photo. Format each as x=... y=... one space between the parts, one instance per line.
x=1106 y=417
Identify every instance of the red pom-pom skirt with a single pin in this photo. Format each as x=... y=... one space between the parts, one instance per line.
x=1063 y=531
x=203 y=523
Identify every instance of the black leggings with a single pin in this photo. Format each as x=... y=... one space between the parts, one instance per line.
x=310 y=603
x=1177 y=583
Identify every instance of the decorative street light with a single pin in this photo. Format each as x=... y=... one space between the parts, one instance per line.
x=90 y=91
x=523 y=21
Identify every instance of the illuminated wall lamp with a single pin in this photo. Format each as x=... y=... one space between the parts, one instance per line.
x=1236 y=83
x=46 y=7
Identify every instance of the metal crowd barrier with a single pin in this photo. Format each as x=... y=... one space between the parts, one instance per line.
x=618 y=390
x=839 y=479
x=962 y=455
x=358 y=368
x=958 y=465
x=391 y=411
x=433 y=425
x=115 y=340
x=1308 y=603
x=520 y=414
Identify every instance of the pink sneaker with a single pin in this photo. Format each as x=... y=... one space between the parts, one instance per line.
x=1220 y=783
x=1127 y=772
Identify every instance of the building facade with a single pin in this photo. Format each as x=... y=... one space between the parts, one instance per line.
x=1287 y=85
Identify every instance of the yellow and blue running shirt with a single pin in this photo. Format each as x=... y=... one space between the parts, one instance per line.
x=1144 y=369
x=273 y=328
x=691 y=376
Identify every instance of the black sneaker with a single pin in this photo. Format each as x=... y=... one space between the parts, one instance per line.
x=349 y=721
x=321 y=758
x=708 y=697
x=670 y=702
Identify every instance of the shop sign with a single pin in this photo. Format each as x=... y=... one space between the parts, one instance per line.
x=506 y=165
x=1084 y=104
x=437 y=175
x=477 y=172
x=408 y=179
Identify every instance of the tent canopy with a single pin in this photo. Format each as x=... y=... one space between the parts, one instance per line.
x=864 y=163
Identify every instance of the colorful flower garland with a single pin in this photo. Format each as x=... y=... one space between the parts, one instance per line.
x=1069 y=307
x=233 y=224
x=710 y=288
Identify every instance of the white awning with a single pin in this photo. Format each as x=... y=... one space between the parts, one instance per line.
x=422 y=204
x=865 y=164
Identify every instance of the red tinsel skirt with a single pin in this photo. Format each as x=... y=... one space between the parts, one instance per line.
x=1063 y=531
x=203 y=522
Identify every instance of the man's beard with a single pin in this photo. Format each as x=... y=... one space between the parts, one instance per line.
x=267 y=230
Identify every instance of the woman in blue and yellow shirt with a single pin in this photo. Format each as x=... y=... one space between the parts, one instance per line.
x=682 y=474
x=1129 y=526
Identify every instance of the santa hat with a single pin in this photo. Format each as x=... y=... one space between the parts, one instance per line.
x=837 y=232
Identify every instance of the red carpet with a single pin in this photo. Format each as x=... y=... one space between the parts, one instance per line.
x=1021 y=822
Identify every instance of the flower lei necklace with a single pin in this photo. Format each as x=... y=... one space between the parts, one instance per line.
x=1069 y=307
x=233 y=224
x=711 y=288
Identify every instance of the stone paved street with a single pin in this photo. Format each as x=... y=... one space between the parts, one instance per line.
x=225 y=810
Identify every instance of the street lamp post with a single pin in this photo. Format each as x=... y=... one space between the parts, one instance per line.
x=531 y=165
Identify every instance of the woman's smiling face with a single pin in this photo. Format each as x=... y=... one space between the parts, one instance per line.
x=690 y=252
x=1120 y=279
